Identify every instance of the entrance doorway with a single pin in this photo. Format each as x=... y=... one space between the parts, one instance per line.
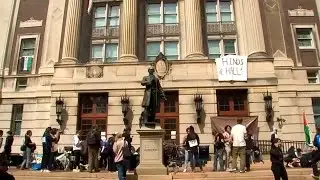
x=168 y=116
x=93 y=111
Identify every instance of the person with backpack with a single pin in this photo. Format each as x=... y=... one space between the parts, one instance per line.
x=316 y=154
x=111 y=155
x=93 y=142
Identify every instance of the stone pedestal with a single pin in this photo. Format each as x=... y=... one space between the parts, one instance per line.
x=151 y=152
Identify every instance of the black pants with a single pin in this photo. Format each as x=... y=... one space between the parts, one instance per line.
x=7 y=153
x=248 y=156
x=103 y=161
x=111 y=164
x=314 y=161
x=51 y=160
x=77 y=154
x=279 y=172
x=45 y=159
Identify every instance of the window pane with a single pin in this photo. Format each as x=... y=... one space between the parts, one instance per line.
x=212 y=17
x=214 y=49
x=304 y=33
x=170 y=8
x=17 y=127
x=154 y=19
x=101 y=22
x=102 y=125
x=229 y=47
x=114 y=21
x=100 y=12
x=171 y=50
x=304 y=42
x=112 y=52
x=225 y=6
x=153 y=48
x=225 y=16
x=211 y=7
x=170 y=19
x=114 y=11
x=153 y=9
x=97 y=51
x=316 y=105
x=317 y=121
x=101 y=104
x=28 y=43
x=27 y=52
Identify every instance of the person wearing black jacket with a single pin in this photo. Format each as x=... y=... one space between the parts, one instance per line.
x=316 y=154
x=46 y=149
x=93 y=142
x=8 y=145
x=4 y=168
x=276 y=158
x=218 y=152
x=193 y=142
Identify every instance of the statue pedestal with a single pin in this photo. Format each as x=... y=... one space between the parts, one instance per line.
x=151 y=152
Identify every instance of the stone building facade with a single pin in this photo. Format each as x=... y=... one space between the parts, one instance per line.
x=56 y=48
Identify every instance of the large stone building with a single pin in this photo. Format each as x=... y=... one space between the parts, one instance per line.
x=56 y=48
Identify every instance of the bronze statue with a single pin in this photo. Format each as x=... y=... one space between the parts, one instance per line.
x=151 y=99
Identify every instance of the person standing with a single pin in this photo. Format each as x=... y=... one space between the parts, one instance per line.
x=93 y=142
x=218 y=153
x=276 y=158
x=111 y=155
x=76 y=147
x=274 y=134
x=104 y=152
x=238 y=134
x=227 y=144
x=193 y=142
x=186 y=152
x=55 y=135
x=120 y=149
x=249 y=150
x=8 y=145
x=4 y=168
x=316 y=154
x=46 y=149
x=29 y=145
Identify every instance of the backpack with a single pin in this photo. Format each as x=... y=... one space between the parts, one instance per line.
x=317 y=141
x=92 y=138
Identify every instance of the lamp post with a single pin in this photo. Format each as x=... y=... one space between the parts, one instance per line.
x=125 y=102
x=268 y=106
x=198 y=104
x=59 y=108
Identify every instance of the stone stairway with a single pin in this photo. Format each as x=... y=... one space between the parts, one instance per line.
x=259 y=171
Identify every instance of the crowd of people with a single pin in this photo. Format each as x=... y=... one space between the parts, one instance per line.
x=114 y=153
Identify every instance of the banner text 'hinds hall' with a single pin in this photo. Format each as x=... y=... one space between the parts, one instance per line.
x=232 y=68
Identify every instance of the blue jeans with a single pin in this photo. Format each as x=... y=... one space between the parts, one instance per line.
x=194 y=160
x=218 y=156
x=186 y=158
x=122 y=170
x=26 y=158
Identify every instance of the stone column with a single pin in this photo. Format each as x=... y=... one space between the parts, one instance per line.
x=249 y=28
x=128 y=30
x=72 y=32
x=194 y=41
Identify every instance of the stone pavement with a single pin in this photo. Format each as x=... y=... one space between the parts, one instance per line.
x=259 y=171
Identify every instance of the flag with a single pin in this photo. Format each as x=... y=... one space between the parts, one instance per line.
x=90 y=4
x=307 y=131
x=27 y=63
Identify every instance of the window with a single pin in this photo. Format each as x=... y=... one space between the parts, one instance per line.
x=16 y=118
x=219 y=11
x=304 y=38
x=162 y=13
x=218 y=48
x=26 y=55
x=105 y=52
x=21 y=83
x=168 y=48
x=107 y=16
x=93 y=111
x=313 y=76
x=168 y=116
x=316 y=111
x=232 y=103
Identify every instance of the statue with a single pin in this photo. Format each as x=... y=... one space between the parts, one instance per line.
x=151 y=99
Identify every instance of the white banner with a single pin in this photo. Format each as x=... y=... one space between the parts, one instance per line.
x=232 y=68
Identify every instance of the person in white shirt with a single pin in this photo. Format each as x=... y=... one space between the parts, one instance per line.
x=76 y=147
x=238 y=133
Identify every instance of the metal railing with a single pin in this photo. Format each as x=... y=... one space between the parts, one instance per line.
x=221 y=27
x=265 y=145
x=162 y=29
x=100 y=32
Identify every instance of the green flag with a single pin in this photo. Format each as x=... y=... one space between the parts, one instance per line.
x=307 y=131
